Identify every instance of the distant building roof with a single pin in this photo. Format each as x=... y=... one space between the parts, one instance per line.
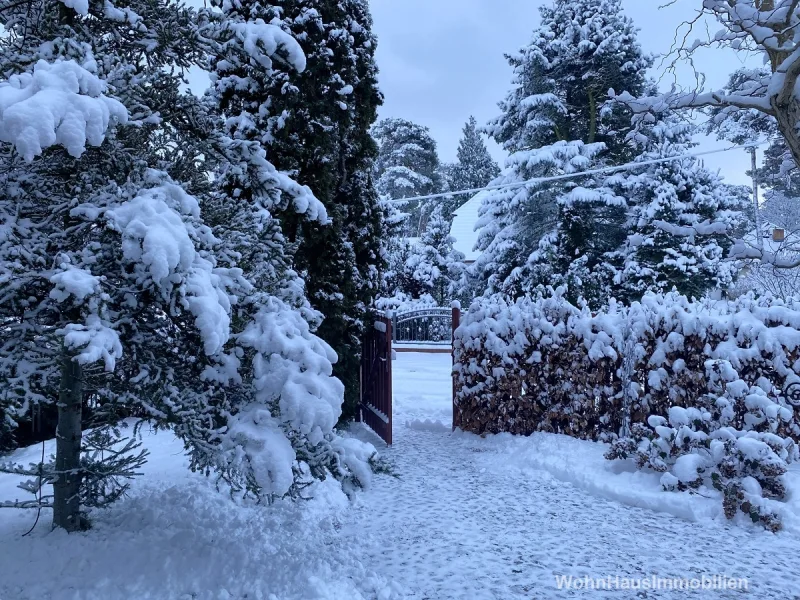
x=463 y=228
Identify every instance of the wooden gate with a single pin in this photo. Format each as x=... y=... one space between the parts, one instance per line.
x=455 y=322
x=376 y=378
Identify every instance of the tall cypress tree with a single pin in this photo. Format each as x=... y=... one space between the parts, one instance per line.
x=319 y=130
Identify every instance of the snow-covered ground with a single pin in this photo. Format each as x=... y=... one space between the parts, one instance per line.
x=502 y=517
x=461 y=517
x=177 y=537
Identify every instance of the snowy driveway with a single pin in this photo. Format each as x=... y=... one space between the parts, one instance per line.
x=463 y=519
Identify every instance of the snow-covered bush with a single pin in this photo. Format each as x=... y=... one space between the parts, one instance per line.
x=534 y=364
x=702 y=391
x=547 y=351
x=402 y=302
x=695 y=449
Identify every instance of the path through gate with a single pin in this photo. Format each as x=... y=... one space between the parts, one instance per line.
x=376 y=378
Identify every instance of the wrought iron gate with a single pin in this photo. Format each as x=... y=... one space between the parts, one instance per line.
x=426 y=326
x=376 y=378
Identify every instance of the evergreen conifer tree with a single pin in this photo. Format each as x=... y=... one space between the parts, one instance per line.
x=125 y=292
x=434 y=264
x=667 y=200
x=319 y=129
x=475 y=167
x=76 y=317
x=428 y=266
x=557 y=120
x=524 y=230
x=779 y=176
x=407 y=166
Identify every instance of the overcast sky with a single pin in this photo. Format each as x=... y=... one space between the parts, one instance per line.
x=443 y=60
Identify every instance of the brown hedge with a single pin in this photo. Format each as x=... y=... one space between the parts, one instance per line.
x=542 y=364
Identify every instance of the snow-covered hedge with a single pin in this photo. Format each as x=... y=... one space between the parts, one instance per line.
x=542 y=364
x=703 y=391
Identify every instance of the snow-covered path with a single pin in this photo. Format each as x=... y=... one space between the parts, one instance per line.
x=465 y=518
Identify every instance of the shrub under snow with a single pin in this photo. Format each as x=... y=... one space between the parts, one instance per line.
x=694 y=449
x=702 y=391
x=402 y=302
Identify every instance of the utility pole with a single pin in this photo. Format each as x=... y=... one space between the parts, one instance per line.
x=754 y=174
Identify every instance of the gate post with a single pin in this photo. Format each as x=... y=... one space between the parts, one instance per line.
x=389 y=400
x=456 y=306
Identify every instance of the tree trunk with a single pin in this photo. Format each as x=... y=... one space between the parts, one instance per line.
x=592 y=118
x=788 y=118
x=66 y=487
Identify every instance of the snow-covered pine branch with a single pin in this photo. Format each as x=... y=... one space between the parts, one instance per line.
x=58 y=103
x=265 y=42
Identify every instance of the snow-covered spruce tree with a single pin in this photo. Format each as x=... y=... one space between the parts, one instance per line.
x=449 y=260
x=581 y=49
x=665 y=200
x=116 y=292
x=317 y=127
x=755 y=100
x=475 y=167
x=118 y=36
x=399 y=280
x=72 y=303
x=518 y=225
x=407 y=166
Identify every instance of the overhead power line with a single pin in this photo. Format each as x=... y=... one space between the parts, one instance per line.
x=625 y=167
